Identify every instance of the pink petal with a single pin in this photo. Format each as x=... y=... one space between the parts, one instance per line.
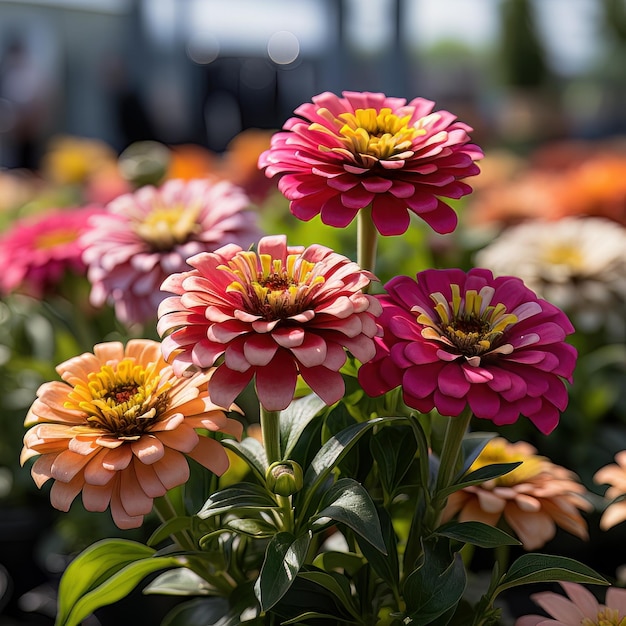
x=211 y=454
x=276 y=382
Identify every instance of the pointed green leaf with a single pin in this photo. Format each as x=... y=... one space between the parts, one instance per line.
x=243 y=496
x=252 y=452
x=251 y=527
x=202 y=612
x=393 y=450
x=179 y=582
x=105 y=573
x=330 y=619
x=295 y=419
x=481 y=475
x=348 y=502
x=477 y=534
x=171 y=527
x=349 y=562
x=541 y=568
x=472 y=445
x=284 y=557
x=337 y=584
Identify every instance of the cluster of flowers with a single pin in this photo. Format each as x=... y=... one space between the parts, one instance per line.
x=233 y=307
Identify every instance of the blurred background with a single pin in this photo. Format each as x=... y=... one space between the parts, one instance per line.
x=82 y=82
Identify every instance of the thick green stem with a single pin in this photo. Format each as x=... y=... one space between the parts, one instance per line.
x=448 y=465
x=270 y=430
x=166 y=511
x=366 y=240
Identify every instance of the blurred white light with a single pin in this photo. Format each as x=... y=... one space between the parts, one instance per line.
x=283 y=47
x=203 y=50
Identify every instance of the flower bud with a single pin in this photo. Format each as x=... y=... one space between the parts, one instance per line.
x=284 y=478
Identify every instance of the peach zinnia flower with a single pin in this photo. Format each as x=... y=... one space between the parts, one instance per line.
x=117 y=429
x=581 y=609
x=35 y=253
x=147 y=235
x=343 y=154
x=454 y=339
x=533 y=499
x=269 y=315
x=615 y=476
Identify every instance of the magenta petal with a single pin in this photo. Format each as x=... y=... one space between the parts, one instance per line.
x=329 y=386
x=226 y=384
x=452 y=382
x=259 y=350
x=312 y=351
x=276 y=382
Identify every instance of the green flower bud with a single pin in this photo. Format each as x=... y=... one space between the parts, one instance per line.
x=284 y=478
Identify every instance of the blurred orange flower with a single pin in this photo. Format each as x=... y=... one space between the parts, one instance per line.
x=533 y=499
x=615 y=476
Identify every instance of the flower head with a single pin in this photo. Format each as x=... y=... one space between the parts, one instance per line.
x=533 y=499
x=578 y=264
x=581 y=609
x=269 y=315
x=36 y=253
x=118 y=427
x=615 y=476
x=453 y=339
x=147 y=235
x=343 y=154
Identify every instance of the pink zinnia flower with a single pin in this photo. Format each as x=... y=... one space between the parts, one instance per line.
x=581 y=609
x=147 y=235
x=343 y=154
x=269 y=315
x=613 y=475
x=453 y=339
x=36 y=253
x=118 y=428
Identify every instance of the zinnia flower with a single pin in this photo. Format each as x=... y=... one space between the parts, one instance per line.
x=454 y=339
x=533 y=499
x=615 y=476
x=269 y=315
x=581 y=609
x=35 y=253
x=343 y=154
x=147 y=235
x=578 y=264
x=117 y=429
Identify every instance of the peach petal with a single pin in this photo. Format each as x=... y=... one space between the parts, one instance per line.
x=96 y=498
x=68 y=464
x=95 y=473
x=184 y=438
x=41 y=470
x=527 y=503
x=614 y=514
x=172 y=469
x=559 y=607
x=132 y=496
x=83 y=445
x=120 y=517
x=149 y=480
x=62 y=494
x=534 y=530
x=211 y=454
x=148 y=449
x=472 y=512
x=117 y=459
x=489 y=502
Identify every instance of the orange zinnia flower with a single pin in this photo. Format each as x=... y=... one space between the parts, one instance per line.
x=533 y=499
x=117 y=429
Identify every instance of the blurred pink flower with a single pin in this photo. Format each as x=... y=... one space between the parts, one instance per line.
x=581 y=609
x=147 y=235
x=36 y=253
x=117 y=429
x=533 y=499
x=615 y=476
x=343 y=154
x=271 y=315
x=453 y=339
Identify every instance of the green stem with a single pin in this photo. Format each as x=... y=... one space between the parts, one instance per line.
x=270 y=430
x=366 y=240
x=449 y=459
x=166 y=511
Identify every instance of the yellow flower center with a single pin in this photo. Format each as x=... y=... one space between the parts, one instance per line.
x=469 y=324
x=269 y=288
x=60 y=237
x=124 y=399
x=565 y=254
x=165 y=227
x=606 y=617
x=372 y=135
x=500 y=451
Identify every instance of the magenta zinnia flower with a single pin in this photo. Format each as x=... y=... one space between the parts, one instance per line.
x=117 y=429
x=147 y=235
x=269 y=315
x=343 y=154
x=36 y=253
x=453 y=339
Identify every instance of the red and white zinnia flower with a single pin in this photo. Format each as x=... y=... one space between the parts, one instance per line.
x=342 y=154
x=145 y=236
x=270 y=315
x=454 y=339
x=118 y=427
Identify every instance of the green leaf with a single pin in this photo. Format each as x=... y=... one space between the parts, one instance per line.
x=202 y=612
x=251 y=527
x=541 y=568
x=284 y=556
x=337 y=584
x=295 y=419
x=477 y=534
x=170 y=527
x=332 y=452
x=330 y=619
x=241 y=497
x=349 y=562
x=434 y=589
x=179 y=582
x=473 y=444
x=481 y=475
x=348 y=502
x=252 y=452
x=104 y=573
x=393 y=449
